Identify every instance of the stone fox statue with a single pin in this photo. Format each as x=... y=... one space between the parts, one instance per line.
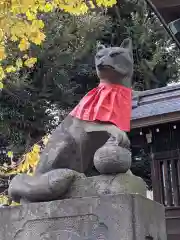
x=103 y=112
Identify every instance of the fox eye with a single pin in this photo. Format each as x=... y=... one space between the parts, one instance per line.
x=99 y=56
x=114 y=54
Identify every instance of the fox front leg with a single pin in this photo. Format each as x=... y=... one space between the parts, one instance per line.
x=120 y=136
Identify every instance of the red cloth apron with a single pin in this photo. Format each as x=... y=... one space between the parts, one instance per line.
x=106 y=103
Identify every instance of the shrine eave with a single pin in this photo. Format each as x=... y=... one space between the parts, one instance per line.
x=168 y=9
x=156 y=106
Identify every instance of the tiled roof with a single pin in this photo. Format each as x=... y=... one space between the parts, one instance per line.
x=156 y=102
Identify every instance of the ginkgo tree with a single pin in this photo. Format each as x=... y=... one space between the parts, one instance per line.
x=22 y=26
x=26 y=164
x=21 y=23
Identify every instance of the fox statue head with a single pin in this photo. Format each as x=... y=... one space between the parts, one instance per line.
x=115 y=64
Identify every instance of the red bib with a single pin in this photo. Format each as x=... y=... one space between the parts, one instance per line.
x=106 y=103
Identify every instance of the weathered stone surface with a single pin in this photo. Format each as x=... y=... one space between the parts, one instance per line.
x=112 y=159
x=109 y=217
x=65 y=183
x=44 y=187
x=107 y=184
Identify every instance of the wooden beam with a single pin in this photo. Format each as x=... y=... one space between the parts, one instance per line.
x=162 y=20
x=166 y=3
x=155 y=120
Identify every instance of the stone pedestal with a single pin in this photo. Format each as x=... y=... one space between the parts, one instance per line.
x=106 y=207
x=109 y=217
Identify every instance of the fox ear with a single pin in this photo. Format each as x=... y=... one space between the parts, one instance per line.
x=127 y=43
x=99 y=47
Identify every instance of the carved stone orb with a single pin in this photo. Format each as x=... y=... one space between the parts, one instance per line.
x=112 y=159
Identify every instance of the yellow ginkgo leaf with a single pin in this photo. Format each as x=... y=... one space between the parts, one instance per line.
x=30 y=62
x=1 y=35
x=12 y=172
x=30 y=15
x=25 y=166
x=14 y=38
x=33 y=162
x=10 y=69
x=3 y=199
x=15 y=203
x=38 y=23
x=2 y=52
x=38 y=38
x=48 y=7
x=19 y=63
x=24 y=45
x=2 y=74
x=10 y=154
x=36 y=148
x=1 y=85
x=30 y=173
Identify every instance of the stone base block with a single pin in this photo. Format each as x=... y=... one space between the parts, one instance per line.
x=107 y=184
x=108 y=217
